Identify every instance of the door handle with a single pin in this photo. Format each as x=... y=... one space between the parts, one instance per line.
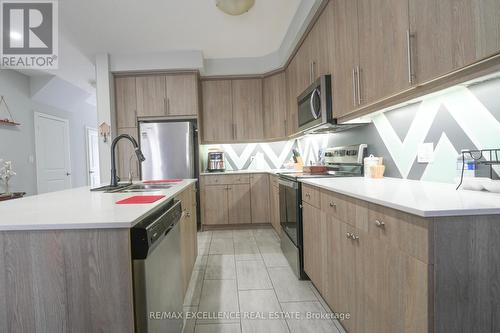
x=411 y=75
x=358 y=72
x=68 y=174
x=354 y=87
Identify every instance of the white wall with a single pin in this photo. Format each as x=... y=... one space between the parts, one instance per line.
x=18 y=143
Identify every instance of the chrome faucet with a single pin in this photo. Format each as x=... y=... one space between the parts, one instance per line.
x=138 y=153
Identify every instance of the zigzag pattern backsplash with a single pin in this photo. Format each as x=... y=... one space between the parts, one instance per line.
x=458 y=118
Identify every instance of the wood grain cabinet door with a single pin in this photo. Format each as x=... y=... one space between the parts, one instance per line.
x=126 y=102
x=274 y=106
x=323 y=42
x=182 y=95
x=383 y=48
x=239 y=203
x=151 y=96
x=291 y=74
x=217 y=114
x=345 y=56
x=259 y=189
x=247 y=109
x=451 y=34
x=215 y=204
x=314 y=254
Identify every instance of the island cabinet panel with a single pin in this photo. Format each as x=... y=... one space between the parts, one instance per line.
x=66 y=281
x=451 y=34
x=188 y=232
x=314 y=238
x=151 y=96
x=383 y=48
x=259 y=188
x=126 y=102
x=217 y=111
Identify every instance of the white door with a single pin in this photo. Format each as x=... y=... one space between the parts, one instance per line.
x=94 y=177
x=53 y=163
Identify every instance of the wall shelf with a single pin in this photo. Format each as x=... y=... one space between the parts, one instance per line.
x=7 y=121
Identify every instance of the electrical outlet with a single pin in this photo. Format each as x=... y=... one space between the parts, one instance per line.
x=426 y=152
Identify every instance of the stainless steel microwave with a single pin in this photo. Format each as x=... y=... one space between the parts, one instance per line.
x=315 y=105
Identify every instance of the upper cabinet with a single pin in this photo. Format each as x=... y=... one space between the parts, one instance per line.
x=217 y=114
x=182 y=94
x=345 y=57
x=383 y=49
x=151 y=96
x=292 y=89
x=126 y=102
x=322 y=43
x=167 y=95
x=247 y=109
x=274 y=106
x=450 y=34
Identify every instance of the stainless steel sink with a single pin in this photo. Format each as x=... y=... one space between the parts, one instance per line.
x=133 y=188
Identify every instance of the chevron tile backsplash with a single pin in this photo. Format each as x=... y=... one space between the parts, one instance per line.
x=458 y=118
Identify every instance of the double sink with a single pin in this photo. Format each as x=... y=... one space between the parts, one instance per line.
x=133 y=188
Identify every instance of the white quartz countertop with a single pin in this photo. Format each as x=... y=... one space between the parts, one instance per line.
x=79 y=208
x=426 y=199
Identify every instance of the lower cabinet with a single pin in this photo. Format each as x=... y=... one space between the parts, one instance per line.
x=275 y=204
x=235 y=199
x=259 y=187
x=366 y=272
x=188 y=234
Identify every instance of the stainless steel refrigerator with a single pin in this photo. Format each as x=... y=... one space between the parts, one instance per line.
x=169 y=148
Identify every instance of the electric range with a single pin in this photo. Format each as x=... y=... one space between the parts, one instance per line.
x=341 y=162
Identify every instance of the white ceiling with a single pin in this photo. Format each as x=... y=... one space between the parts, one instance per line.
x=155 y=26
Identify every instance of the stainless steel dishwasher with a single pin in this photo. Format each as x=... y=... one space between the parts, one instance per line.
x=156 y=264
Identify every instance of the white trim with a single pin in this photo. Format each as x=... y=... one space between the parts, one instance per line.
x=87 y=150
x=38 y=115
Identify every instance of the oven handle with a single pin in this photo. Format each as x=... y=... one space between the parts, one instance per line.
x=288 y=183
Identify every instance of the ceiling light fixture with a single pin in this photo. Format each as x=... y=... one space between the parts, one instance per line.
x=234 y=7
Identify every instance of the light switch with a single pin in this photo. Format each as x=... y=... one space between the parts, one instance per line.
x=426 y=152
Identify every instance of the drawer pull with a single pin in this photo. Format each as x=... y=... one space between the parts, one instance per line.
x=354 y=237
x=308 y=195
x=348 y=235
x=379 y=224
x=333 y=205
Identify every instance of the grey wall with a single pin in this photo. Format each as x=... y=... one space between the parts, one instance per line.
x=18 y=143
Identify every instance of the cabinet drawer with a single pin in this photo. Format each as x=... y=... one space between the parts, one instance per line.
x=226 y=179
x=407 y=232
x=311 y=195
x=349 y=210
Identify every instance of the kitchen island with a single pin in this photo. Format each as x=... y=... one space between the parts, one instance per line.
x=65 y=258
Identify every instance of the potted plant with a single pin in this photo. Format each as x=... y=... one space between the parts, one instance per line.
x=6 y=173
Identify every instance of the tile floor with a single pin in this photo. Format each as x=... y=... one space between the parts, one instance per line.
x=244 y=272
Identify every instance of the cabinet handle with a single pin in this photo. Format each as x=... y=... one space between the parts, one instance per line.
x=165 y=107
x=234 y=131
x=348 y=235
x=333 y=205
x=409 y=36
x=354 y=87
x=358 y=81
x=379 y=224
x=308 y=195
x=354 y=237
x=313 y=71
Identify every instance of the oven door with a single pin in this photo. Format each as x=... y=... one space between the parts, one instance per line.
x=290 y=209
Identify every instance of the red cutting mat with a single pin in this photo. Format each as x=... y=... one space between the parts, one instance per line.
x=162 y=181
x=140 y=199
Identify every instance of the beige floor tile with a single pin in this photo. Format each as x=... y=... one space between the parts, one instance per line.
x=222 y=234
x=219 y=296
x=220 y=267
x=201 y=262
x=288 y=287
x=275 y=259
x=246 y=250
x=252 y=274
x=221 y=246
x=194 y=289
x=311 y=318
x=218 y=328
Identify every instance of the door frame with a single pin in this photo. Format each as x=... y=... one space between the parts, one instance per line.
x=88 y=129
x=37 y=146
